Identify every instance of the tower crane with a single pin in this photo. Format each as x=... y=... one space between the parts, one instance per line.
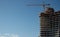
x=43 y=5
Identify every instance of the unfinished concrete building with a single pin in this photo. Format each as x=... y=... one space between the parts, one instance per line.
x=50 y=23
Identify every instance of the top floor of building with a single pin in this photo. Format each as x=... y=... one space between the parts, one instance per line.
x=50 y=12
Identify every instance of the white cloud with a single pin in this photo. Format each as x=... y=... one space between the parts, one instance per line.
x=9 y=35
x=14 y=35
x=2 y=36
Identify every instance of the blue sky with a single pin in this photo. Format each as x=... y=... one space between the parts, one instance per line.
x=19 y=20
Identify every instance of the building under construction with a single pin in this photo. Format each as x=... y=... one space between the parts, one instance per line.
x=50 y=23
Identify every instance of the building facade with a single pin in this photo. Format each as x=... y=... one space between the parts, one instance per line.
x=50 y=23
